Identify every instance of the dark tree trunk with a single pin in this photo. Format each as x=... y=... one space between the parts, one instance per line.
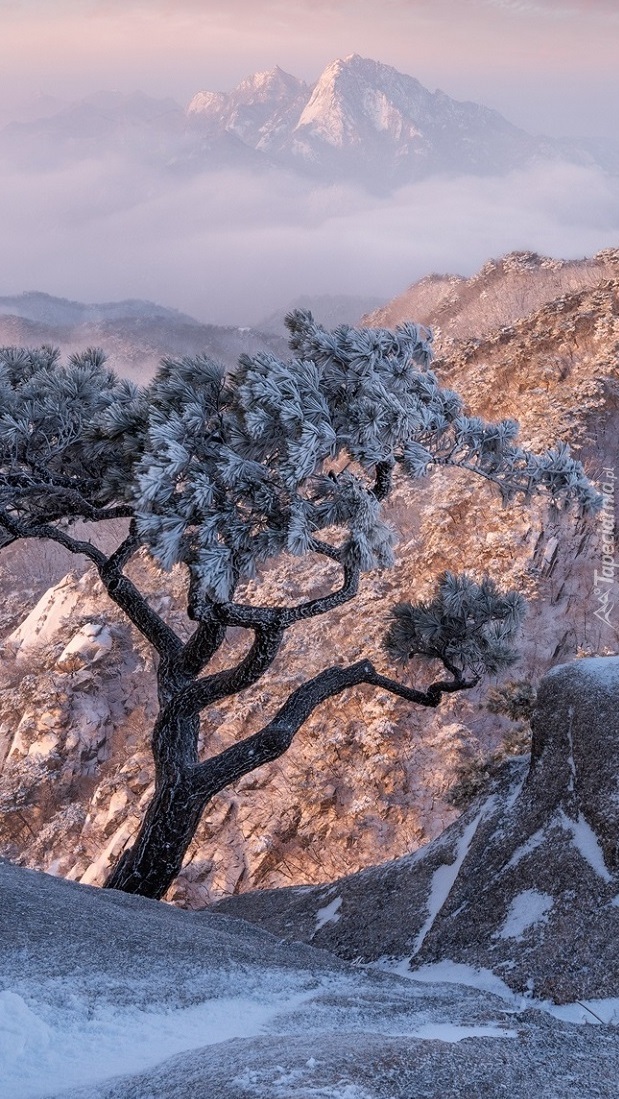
x=185 y=786
x=151 y=865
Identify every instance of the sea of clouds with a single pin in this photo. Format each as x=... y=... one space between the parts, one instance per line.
x=232 y=245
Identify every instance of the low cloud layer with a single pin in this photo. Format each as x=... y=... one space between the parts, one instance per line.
x=231 y=247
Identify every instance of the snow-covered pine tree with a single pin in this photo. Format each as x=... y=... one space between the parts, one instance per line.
x=219 y=474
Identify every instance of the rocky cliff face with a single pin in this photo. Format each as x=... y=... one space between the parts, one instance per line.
x=368 y=777
x=504 y=291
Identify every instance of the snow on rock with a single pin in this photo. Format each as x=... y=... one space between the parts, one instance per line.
x=48 y=617
x=597 y=669
x=535 y=900
x=587 y=843
x=443 y=880
x=521 y=852
x=87 y=646
x=527 y=909
x=106 y=996
x=328 y=914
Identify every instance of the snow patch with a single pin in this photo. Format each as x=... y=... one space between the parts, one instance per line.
x=520 y=853
x=595 y=1012
x=329 y=914
x=515 y=792
x=443 y=879
x=40 y=1056
x=586 y=841
x=452 y=973
x=526 y=909
x=89 y=645
x=603 y=668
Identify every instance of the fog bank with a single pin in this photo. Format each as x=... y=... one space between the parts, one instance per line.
x=231 y=246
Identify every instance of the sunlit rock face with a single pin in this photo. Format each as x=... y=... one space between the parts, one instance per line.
x=368 y=777
x=525 y=883
x=502 y=292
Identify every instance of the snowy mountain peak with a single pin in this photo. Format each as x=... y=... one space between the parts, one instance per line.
x=274 y=86
x=357 y=98
x=272 y=82
x=256 y=110
x=363 y=119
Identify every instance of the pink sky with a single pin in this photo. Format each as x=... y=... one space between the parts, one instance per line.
x=548 y=65
x=104 y=229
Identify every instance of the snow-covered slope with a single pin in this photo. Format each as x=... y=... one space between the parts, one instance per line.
x=106 y=996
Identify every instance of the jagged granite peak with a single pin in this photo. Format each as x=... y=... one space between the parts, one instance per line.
x=362 y=120
x=256 y=88
x=502 y=292
x=366 y=119
x=357 y=96
x=255 y=111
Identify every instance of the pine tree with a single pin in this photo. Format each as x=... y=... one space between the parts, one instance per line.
x=220 y=474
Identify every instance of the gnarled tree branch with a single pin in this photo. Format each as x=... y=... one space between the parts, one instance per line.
x=275 y=738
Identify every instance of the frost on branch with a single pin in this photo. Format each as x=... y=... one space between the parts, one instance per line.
x=69 y=434
x=238 y=469
x=468 y=626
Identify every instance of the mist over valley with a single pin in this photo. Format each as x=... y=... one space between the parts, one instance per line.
x=233 y=206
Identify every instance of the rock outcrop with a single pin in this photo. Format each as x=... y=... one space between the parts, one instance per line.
x=525 y=883
x=111 y=996
x=501 y=293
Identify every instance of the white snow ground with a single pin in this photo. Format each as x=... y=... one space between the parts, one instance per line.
x=105 y=996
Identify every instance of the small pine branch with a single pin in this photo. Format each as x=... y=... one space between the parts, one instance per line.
x=469 y=626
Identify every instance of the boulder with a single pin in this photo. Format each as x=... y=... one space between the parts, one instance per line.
x=525 y=883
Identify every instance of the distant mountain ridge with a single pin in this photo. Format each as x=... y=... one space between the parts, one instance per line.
x=34 y=305
x=135 y=334
x=362 y=120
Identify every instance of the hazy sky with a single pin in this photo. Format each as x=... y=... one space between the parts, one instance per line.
x=549 y=65
x=229 y=249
